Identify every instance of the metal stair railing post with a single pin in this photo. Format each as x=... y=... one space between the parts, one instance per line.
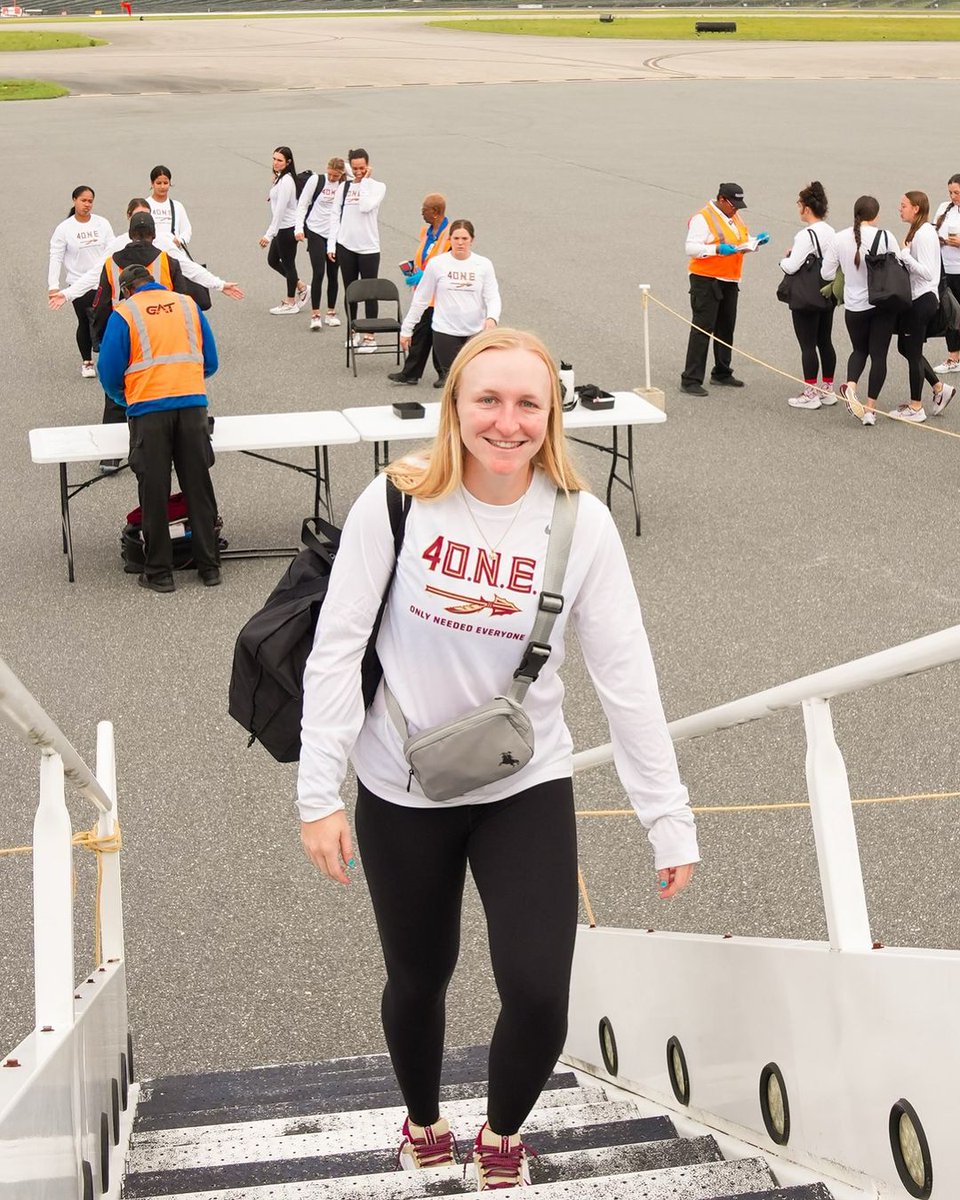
x=52 y=902
x=111 y=905
x=835 y=834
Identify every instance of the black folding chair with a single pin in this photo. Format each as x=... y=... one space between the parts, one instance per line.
x=383 y=290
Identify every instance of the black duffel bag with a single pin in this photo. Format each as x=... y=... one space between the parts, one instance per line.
x=888 y=280
x=802 y=291
x=947 y=317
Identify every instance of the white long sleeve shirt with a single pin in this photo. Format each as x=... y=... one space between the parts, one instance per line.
x=322 y=212
x=804 y=245
x=163 y=241
x=922 y=260
x=464 y=293
x=354 y=216
x=164 y=213
x=283 y=205
x=76 y=246
x=440 y=661
x=951 y=224
x=841 y=254
x=700 y=241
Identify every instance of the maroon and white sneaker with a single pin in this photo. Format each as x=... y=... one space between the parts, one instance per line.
x=499 y=1162
x=942 y=398
x=426 y=1146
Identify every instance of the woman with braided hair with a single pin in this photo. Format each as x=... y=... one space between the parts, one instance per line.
x=921 y=257
x=946 y=221
x=870 y=328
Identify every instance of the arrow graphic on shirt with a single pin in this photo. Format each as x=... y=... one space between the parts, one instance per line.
x=499 y=606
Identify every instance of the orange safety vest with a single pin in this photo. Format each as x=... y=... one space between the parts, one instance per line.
x=166 y=346
x=721 y=266
x=159 y=269
x=440 y=246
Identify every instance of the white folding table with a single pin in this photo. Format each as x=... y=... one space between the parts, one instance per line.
x=250 y=435
x=382 y=426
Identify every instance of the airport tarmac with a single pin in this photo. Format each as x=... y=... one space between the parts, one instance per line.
x=775 y=542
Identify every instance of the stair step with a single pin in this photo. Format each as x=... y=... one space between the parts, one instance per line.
x=803 y=1191
x=307 y=1101
x=279 y=1179
x=342 y=1132
x=343 y=1076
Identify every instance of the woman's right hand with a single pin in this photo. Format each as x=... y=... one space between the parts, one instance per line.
x=264 y=241
x=328 y=845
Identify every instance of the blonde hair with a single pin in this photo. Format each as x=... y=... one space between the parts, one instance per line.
x=336 y=164
x=442 y=473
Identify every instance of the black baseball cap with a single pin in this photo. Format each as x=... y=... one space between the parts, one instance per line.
x=134 y=275
x=143 y=220
x=732 y=192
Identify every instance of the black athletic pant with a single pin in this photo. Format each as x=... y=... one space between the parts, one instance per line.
x=814 y=332
x=282 y=256
x=179 y=437
x=421 y=343
x=446 y=347
x=359 y=266
x=86 y=339
x=911 y=336
x=317 y=249
x=713 y=306
x=522 y=853
x=870 y=334
x=952 y=335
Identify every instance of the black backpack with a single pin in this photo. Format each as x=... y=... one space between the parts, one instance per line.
x=300 y=180
x=266 y=684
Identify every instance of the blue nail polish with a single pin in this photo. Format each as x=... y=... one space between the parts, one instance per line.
x=663 y=883
x=353 y=862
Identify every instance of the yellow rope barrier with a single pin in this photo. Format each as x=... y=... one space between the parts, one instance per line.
x=88 y=839
x=732 y=808
x=582 y=884
x=793 y=378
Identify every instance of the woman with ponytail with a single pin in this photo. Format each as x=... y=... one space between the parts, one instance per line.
x=870 y=328
x=921 y=257
x=79 y=243
x=814 y=329
x=947 y=224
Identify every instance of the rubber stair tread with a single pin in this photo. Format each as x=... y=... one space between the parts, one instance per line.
x=449 y=1181
x=313 y=1100
x=169 y=1150
x=800 y=1191
x=700 y=1181
x=240 y=1179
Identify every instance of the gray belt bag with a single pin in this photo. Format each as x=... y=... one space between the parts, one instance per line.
x=496 y=740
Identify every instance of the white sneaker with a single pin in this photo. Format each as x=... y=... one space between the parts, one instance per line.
x=947 y=366
x=316 y=323
x=331 y=319
x=366 y=347
x=285 y=310
x=905 y=413
x=88 y=371
x=301 y=293
x=357 y=339
x=942 y=398
x=869 y=417
x=808 y=398
x=828 y=396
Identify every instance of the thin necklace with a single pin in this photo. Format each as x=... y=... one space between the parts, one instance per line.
x=492 y=548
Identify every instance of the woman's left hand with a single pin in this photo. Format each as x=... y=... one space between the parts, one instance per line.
x=264 y=241
x=675 y=879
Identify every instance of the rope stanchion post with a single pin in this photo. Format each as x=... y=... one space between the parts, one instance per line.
x=648 y=391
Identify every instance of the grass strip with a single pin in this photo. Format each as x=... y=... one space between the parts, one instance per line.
x=875 y=27
x=30 y=89
x=31 y=39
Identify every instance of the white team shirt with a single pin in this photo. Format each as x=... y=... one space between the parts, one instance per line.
x=922 y=260
x=354 y=217
x=951 y=224
x=283 y=205
x=76 y=246
x=804 y=245
x=452 y=637
x=322 y=212
x=163 y=214
x=841 y=254
x=464 y=294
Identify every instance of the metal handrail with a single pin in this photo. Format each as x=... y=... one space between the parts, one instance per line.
x=22 y=712
x=911 y=658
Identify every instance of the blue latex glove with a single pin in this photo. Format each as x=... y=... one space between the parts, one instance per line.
x=726 y=248
x=413 y=278
x=762 y=239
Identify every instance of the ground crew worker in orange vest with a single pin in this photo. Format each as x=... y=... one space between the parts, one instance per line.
x=717 y=240
x=434 y=240
x=156 y=352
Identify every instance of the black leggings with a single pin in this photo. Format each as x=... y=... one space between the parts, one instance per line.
x=83 y=306
x=814 y=332
x=522 y=853
x=446 y=347
x=282 y=256
x=355 y=266
x=317 y=249
x=870 y=332
x=910 y=338
x=953 y=336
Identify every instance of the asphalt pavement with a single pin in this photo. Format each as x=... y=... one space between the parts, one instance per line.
x=775 y=542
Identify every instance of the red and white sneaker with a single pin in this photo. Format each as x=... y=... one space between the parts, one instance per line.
x=426 y=1146
x=499 y=1162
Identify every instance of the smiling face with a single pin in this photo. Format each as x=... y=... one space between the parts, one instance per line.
x=161 y=186
x=83 y=205
x=503 y=406
x=460 y=243
x=360 y=168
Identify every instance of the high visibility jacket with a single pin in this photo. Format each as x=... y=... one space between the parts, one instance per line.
x=721 y=266
x=166 y=347
x=440 y=245
x=159 y=269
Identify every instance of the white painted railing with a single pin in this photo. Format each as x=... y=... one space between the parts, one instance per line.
x=65 y=1089
x=856 y=1029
